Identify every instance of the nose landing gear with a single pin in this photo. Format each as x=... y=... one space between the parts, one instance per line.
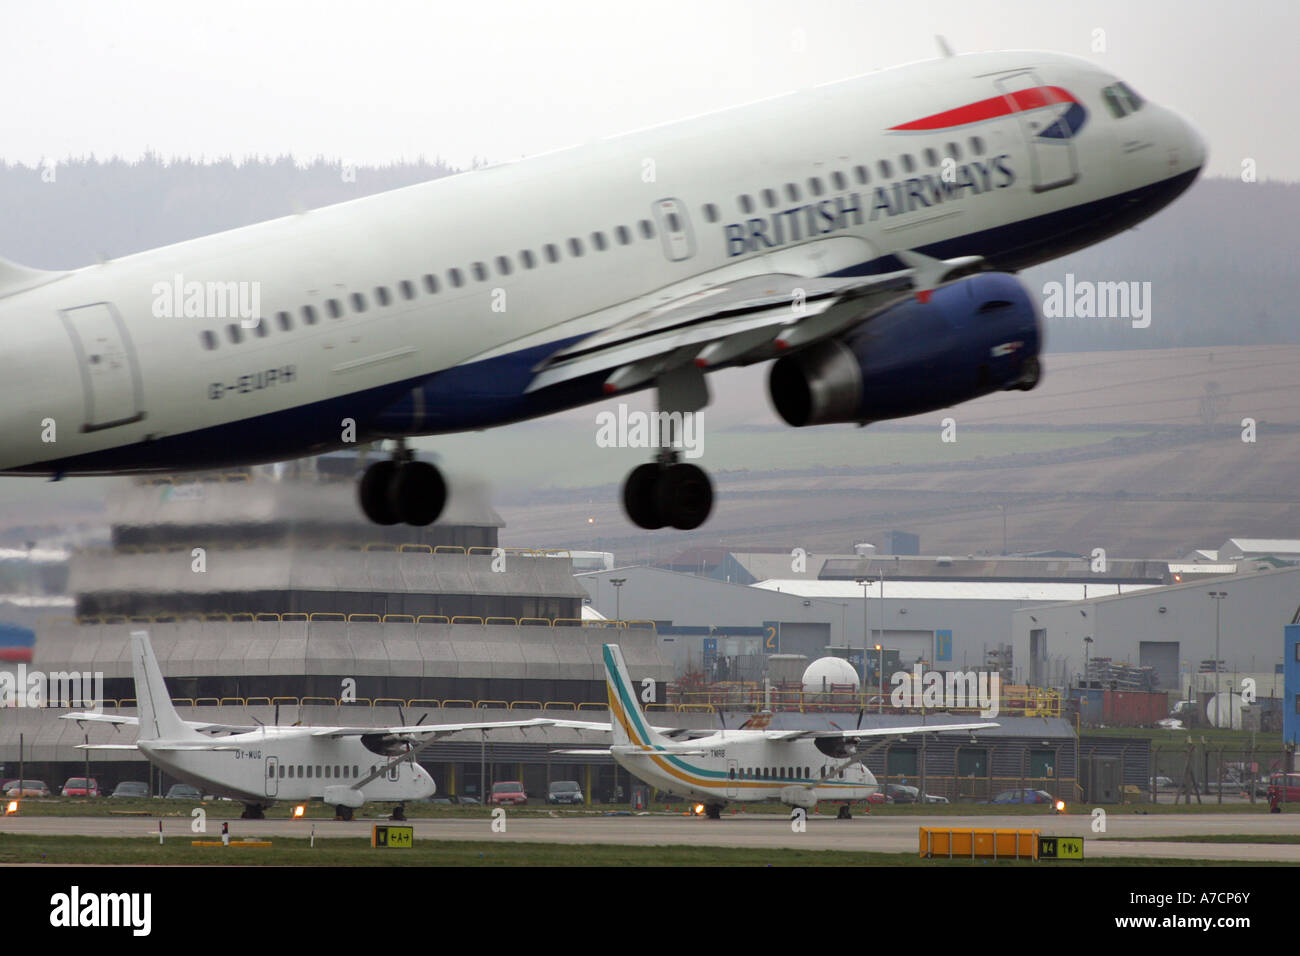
x=401 y=489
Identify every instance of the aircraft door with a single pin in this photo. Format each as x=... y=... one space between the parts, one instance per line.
x=675 y=229
x=1046 y=121
x=110 y=378
x=732 y=773
x=272 y=776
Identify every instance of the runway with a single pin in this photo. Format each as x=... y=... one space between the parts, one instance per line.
x=884 y=834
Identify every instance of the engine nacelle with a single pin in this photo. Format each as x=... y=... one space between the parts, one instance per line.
x=972 y=337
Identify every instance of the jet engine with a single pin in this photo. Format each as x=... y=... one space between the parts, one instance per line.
x=967 y=339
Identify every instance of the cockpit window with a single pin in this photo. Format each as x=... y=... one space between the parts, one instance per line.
x=1121 y=100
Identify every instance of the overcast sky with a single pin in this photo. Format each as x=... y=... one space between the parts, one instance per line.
x=373 y=82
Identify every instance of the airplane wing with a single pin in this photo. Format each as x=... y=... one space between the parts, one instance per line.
x=741 y=322
x=679 y=751
x=675 y=733
x=791 y=735
x=434 y=730
x=102 y=718
x=87 y=716
x=215 y=745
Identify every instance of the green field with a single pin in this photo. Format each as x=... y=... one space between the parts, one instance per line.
x=345 y=851
x=1287 y=838
x=420 y=810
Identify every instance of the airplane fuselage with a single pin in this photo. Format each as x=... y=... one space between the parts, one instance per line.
x=742 y=767
x=290 y=764
x=424 y=310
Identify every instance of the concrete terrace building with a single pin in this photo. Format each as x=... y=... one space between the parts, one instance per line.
x=268 y=597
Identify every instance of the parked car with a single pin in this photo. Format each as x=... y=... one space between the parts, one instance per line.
x=131 y=789
x=466 y=798
x=1022 y=796
x=81 y=787
x=564 y=791
x=879 y=797
x=901 y=793
x=26 y=788
x=1282 y=792
x=507 y=791
x=183 y=791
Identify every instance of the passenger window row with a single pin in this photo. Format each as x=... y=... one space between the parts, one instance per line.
x=816 y=187
x=455 y=278
x=777 y=773
x=326 y=772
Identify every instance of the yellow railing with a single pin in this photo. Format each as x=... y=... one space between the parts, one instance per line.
x=1023 y=702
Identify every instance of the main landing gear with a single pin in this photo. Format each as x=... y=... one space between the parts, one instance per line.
x=713 y=811
x=401 y=489
x=668 y=492
x=342 y=813
x=253 y=811
x=845 y=813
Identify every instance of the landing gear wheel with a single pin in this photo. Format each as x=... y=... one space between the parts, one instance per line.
x=252 y=811
x=416 y=493
x=845 y=813
x=684 y=496
x=373 y=493
x=639 y=499
x=399 y=812
x=343 y=813
x=713 y=811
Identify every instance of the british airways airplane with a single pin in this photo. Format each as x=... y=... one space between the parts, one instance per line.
x=862 y=234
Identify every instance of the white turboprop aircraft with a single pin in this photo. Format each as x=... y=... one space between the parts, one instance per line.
x=343 y=766
x=843 y=230
x=796 y=767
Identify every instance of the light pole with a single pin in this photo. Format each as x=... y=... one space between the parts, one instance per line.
x=618 y=597
x=880 y=697
x=1087 y=643
x=866 y=633
x=880 y=694
x=1218 y=597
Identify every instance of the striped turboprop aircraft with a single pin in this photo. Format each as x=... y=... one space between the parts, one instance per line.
x=796 y=767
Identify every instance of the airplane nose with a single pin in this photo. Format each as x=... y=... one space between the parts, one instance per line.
x=1188 y=145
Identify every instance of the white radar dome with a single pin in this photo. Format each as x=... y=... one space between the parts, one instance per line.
x=825 y=671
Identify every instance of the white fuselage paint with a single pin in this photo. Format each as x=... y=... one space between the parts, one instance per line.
x=252 y=772
x=477 y=216
x=741 y=766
